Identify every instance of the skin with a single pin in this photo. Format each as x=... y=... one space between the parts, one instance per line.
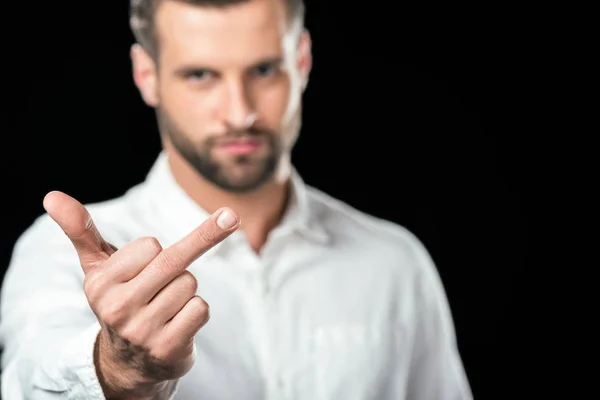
x=214 y=79
x=220 y=73
x=143 y=297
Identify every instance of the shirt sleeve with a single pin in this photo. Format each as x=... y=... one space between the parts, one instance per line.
x=47 y=329
x=436 y=371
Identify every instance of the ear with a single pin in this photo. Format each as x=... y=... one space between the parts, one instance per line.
x=305 y=60
x=145 y=74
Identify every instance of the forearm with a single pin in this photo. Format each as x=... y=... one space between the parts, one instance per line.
x=50 y=363
x=59 y=364
x=163 y=391
x=47 y=329
x=160 y=391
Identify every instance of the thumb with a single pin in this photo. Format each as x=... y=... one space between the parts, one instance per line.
x=77 y=224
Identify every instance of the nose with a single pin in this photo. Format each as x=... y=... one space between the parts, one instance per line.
x=239 y=111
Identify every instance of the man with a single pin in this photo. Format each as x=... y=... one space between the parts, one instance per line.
x=309 y=298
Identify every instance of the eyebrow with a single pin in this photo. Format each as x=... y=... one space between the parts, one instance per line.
x=189 y=69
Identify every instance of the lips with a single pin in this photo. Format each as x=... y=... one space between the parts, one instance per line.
x=239 y=146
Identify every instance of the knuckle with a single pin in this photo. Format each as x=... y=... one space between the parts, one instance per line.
x=114 y=313
x=188 y=282
x=169 y=262
x=200 y=310
x=134 y=333
x=208 y=235
x=92 y=285
x=151 y=244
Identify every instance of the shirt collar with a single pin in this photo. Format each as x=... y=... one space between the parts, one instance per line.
x=179 y=214
x=300 y=217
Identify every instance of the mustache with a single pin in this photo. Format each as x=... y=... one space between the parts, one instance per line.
x=250 y=133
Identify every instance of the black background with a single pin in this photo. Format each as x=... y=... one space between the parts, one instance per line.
x=408 y=116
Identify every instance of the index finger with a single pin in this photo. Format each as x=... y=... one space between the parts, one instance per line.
x=173 y=260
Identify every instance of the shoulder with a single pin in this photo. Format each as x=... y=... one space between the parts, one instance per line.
x=380 y=250
x=367 y=232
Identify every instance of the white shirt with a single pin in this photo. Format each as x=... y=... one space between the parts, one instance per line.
x=338 y=305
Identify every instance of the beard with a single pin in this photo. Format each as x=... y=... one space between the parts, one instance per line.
x=238 y=174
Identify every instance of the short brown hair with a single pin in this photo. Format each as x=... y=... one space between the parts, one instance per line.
x=142 y=13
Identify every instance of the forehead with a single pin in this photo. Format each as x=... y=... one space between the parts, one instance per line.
x=238 y=33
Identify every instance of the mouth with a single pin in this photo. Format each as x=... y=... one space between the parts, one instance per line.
x=239 y=146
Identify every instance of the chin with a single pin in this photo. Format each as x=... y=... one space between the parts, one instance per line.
x=247 y=179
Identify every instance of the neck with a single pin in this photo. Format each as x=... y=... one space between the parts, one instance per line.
x=260 y=210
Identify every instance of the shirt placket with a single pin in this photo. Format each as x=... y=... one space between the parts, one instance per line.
x=266 y=325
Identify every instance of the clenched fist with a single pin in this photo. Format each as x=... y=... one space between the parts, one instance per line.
x=143 y=297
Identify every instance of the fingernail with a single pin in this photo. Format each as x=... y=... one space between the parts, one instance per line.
x=226 y=220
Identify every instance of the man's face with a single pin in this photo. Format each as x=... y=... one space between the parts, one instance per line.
x=227 y=87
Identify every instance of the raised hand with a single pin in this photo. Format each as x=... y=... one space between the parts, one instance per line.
x=143 y=297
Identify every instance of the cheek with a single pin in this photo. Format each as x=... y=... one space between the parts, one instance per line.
x=276 y=103
x=189 y=108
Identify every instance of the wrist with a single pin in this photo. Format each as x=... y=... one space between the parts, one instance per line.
x=120 y=383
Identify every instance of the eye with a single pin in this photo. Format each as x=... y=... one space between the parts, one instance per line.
x=199 y=75
x=265 y=70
